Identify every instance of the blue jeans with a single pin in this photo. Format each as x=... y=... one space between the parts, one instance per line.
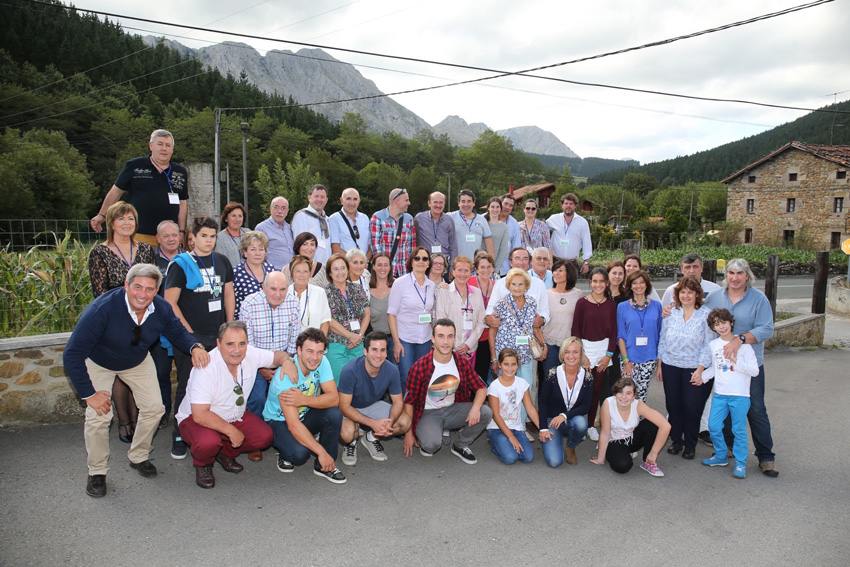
x=526 y=373
x=574 y=429
x=257 y=397
x=759 y=422
x=502 y=448
x=326 y=422
x=735 y=407
x=412 y=353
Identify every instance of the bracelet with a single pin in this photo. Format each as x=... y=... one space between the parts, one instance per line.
x=609 y=353
x=625 y=359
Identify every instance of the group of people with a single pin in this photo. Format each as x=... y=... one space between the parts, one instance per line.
x=342 y=329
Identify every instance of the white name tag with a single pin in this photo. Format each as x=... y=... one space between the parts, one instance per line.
x=355 y=325
x=470 y=238
x=322 y=244
x=641 y=341
x=565 y=242
x=467 y=320
x=521 y=340
x=425 y=318
x=173 y=199
x=436 y=249
x=215 y=305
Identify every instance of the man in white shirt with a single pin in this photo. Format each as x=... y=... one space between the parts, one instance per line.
x=313 y=219
x=508 y=203
x=571 y=233
x=349 y=227
x=540 y=263
x=691 y=267
x=212 y=417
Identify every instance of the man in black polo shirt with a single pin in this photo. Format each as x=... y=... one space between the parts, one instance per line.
x=199 y=287
x=155 y=186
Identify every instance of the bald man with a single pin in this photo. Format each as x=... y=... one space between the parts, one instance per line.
x=349 y=227
x=434 y=229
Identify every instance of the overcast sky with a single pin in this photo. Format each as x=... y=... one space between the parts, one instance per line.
x=798 y=59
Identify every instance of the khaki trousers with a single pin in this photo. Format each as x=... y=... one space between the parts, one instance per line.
x=142 y=381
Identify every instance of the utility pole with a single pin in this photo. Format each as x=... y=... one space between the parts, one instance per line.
x=217 y=164
x=691 y=214
x=622 y=200
x=244 y=127
x=227 y=177
x=449 y=197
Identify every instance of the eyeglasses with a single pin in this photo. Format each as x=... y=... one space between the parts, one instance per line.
x=531 y=208
x=421 y=258
x=137 y=336
x=237 y=389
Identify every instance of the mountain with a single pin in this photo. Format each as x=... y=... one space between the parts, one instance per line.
x=534 y=140
x=822 y=127
x=530 y=139
x=308 y=76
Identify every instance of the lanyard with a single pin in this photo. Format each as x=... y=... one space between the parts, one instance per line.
x=642 y=314
x=247 y=267
x=567 y=225
x=212 y=256
x=517 y=312
x=571 y=392
x=348 y=301
x=434 y=224
x=423 y=299
x=122 y=254
x=489 y=288
x=241 y=377
x=470 y=223
x=234 y=238
x=306 y=301
x=167 y=173
x=467 y=295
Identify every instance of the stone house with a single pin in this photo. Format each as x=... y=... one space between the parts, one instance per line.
x=800 y=191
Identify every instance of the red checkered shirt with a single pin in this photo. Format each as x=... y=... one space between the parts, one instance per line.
x=383 y=228
x=420 y=376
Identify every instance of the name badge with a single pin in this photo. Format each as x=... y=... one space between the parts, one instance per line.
x=641 y=341
x=565 y=242
x=355 y=325
x=173 y=199
x=322 y=244
x=425 y=318
x=467 y=320
x=214 y=305
x=436 y=249
x=521 y=340
x=470 y=238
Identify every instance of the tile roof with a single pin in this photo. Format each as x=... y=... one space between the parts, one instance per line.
x=836 y=154
x=524 y=191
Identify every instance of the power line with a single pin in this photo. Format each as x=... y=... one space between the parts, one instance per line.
x=499 y=73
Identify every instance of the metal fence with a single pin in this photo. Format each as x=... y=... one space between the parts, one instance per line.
x=22 y=234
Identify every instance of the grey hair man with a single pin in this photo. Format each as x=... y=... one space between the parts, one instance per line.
x=278 y=232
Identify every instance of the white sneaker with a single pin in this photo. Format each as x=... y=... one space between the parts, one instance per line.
x=529 y=436
x=447 y=433
x=376 y=450
x=593 y=434
x=349 y=454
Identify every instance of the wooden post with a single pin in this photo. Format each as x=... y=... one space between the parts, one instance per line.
x=709 y=270
x=821 y=278
x=770 y=280
x=631 y=246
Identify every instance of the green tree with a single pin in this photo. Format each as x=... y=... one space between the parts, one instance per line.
x=378 y=179
x=676 y=221
x=640 y=183
x=291 y=182
x=489 y=166
x=711 y=206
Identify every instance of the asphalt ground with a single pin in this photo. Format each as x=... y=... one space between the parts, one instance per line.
x=440 y=511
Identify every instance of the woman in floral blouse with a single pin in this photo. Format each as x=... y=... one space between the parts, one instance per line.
x=349 y=314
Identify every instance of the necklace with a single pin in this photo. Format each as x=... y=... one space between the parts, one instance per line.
x=598 y=303
x=642 y=306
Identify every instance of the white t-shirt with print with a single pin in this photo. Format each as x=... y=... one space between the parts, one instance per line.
x=510 y=403
x=443 y=385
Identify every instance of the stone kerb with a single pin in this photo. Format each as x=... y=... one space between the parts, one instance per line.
x=838 y=297
x=34 y=388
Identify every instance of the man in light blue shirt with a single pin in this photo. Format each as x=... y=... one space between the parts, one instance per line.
x=349 y=227
x=278 y=232
x=540 y=267
x=471 y=229
x=753 y=326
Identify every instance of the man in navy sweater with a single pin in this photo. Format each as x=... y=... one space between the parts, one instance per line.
x=113 y=337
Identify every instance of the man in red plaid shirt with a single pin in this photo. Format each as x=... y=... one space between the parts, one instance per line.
x=444 y=392
x=384 y=228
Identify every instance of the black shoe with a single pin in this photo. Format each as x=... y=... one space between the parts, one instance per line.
x=335 y=476
x=163 y=422
x=689 y=453
x=705 y=437
x=178 y=449
x=675 y=448
x=464 y=455
x=125 y=432
x=283 y=465
x=145 y=468
x=96 y=485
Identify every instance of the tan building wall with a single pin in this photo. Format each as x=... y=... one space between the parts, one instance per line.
x=770 y=185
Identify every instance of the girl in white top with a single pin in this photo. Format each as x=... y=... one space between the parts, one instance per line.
x=624 y=432
x=507 y=396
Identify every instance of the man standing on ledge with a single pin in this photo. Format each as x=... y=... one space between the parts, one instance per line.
x=113 y=337
x=394 y=232
x=571 y=234
x=157 y=188
x=435 y=230
x=444 y=392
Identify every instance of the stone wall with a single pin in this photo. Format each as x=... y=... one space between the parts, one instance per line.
x=803 y=330
x=838 y=296
x=201 y=192
x=814 y=192
x=33 y=386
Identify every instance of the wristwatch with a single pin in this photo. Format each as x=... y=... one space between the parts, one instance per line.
x=196 y=345
x=743 y=338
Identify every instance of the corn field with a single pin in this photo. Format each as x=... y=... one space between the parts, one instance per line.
x=45 y=289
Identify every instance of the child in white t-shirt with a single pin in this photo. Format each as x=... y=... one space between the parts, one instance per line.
x=507 y=397
x=731 y=393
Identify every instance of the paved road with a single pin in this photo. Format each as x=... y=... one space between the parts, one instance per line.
x=439 y=511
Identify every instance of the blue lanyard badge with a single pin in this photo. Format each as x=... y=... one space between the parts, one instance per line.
x=214 y=289
x=425 y=317
x=122 y=254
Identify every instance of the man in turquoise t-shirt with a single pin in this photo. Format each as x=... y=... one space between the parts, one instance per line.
x=297 y=412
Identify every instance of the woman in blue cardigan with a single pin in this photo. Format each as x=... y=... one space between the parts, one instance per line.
x=565 y=397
